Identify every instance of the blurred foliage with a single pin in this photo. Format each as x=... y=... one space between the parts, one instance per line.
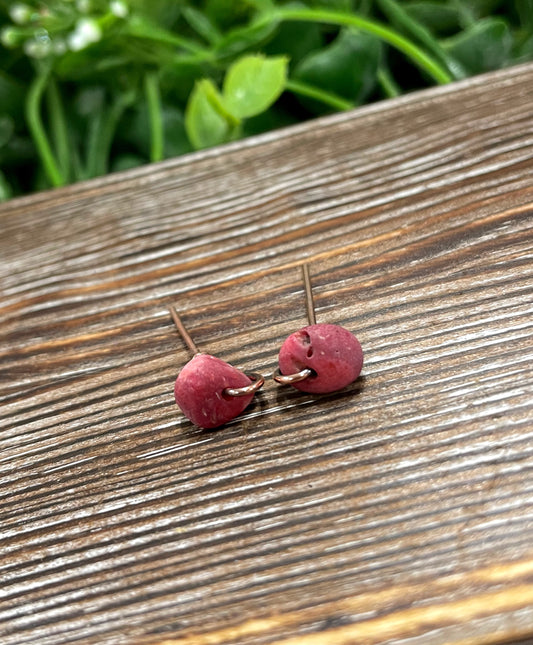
x=93 y=86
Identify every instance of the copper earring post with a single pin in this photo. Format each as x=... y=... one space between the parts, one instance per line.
x=289 y=379
x=257 y=379
x=257 y=383
x=191 y=345
x=309 y=303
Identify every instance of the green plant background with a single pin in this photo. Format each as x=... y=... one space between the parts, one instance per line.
x=89 y=87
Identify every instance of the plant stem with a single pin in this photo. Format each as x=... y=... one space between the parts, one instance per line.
x=412 y=51
x=215 y=99
x=110 y=125
x=101 y=135
x=387 y=83
x=466 y=13
x=396 y=12
x=35 y=125
x=142 y=28
x=93 y=144
x=58 y=127
x=6 y=192
x=328 y=98
x=153 y=99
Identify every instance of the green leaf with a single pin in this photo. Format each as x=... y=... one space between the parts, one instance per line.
x=134 y=136
x=127 y=161
x=205 y=125
x=348 y=67
x=253 y=83
x=158 y=11
x=141 y=28
x=524 y=9
x=263 y=5
x=482 y=8
x=251 y=36
x=333 y=5
x=484 y=46
x=7 y=128
x=202 y=25
x=176 y=141
x=178 y=79
x=295 y=39
x=525 y=51
x=84 y=64
x=228 y=13
x=441 y=19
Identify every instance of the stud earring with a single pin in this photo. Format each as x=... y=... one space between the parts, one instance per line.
x=209 y=391
x=321 y=357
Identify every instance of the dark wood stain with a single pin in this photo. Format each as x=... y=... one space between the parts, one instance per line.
x=396 y=511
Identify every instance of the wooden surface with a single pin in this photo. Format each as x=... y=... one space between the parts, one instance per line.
x=397 y=511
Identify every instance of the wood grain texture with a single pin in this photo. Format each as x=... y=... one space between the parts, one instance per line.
x=399 y=510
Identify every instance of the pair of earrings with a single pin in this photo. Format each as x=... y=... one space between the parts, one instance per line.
x=318 y=358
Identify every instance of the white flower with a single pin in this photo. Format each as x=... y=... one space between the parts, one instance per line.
x=59 y=47
x=20 y=13
x=83 y=6
x=9 y=37
x=118 y=8
x=87 y=31
x=37 y=48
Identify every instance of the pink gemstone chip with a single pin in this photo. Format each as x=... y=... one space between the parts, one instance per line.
x=332 y=352
x=199 y=391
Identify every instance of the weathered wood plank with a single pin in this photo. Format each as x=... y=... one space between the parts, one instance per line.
x=398 y=510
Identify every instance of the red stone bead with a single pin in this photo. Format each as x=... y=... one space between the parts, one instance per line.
x=333 y=354
x=199 y=391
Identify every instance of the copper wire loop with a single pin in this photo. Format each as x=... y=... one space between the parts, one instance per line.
x=289 y=379
x=258 y=381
